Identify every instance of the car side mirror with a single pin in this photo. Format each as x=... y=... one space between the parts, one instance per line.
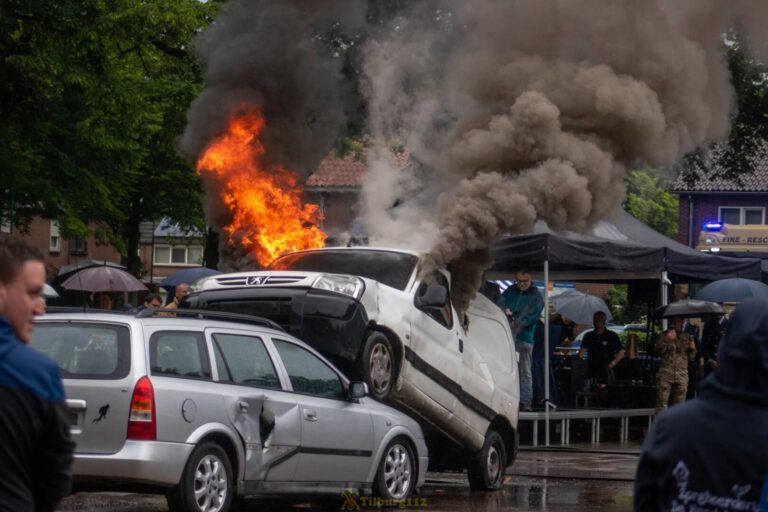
x=435 y=296
x=357 y=390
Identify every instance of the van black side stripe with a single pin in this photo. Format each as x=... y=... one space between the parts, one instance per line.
x=449 y=384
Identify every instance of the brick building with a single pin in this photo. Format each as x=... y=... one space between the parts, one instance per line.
x=44 y=235
x=737 y=204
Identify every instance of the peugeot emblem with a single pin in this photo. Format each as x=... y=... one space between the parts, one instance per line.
x=257 y=280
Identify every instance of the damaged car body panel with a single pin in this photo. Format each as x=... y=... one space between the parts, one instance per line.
x=398 y=333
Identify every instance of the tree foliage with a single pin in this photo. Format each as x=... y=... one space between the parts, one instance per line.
x=749 y=131
x=92 y=97
x=649 y=201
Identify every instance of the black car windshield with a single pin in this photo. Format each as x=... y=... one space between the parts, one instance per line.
x=390 y=268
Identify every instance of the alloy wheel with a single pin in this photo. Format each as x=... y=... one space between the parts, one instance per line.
x=398 y=471
x=210 y=484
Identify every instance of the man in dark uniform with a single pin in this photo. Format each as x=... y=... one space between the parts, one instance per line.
x=35 y=445
x=603 y=350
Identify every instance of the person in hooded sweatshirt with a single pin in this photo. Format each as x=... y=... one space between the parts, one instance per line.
x=711 y=453
x=35 y=445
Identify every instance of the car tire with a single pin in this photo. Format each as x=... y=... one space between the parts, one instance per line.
x=206 y=483
x=486 y=467
x=378 y=365
x=398 y=471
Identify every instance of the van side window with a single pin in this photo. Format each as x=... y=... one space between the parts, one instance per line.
x=179 y=354
x=308 y=373
x=442 y=315
x=244 y=360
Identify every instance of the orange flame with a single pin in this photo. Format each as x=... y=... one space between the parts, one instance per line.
x=268 y=218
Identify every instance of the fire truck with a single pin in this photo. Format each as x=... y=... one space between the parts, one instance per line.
x=720 y=237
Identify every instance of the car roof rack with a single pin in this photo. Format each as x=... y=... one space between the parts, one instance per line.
x=86 y=309
x=204 y=314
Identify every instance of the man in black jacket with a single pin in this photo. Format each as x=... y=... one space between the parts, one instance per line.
x=35 y=446
x=711 y=453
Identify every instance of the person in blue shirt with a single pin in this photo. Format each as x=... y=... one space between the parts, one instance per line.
x=35 y=445
x=522 y=303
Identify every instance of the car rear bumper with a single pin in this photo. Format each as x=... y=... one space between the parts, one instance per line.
x=146 y=462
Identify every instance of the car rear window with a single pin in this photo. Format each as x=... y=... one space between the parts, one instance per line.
x=85 y=350
x=244 y=360
x=179 y=354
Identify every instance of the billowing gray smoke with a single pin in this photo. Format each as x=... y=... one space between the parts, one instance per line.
x=512 y=111
x=532 y=110
x=266 y=53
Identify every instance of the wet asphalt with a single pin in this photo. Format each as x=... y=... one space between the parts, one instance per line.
x=578 y=478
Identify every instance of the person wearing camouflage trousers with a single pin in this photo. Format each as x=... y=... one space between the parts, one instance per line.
x=675 y=347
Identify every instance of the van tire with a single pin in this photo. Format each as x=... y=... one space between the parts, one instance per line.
x=378 y=365
x=486 y=468
x=214 y=476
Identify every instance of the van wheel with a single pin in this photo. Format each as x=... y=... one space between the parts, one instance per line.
x=397 y=471
x=378 y=365
x=206 y=483
x=486 y=468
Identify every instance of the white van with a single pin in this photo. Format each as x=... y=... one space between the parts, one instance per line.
x=366 y=309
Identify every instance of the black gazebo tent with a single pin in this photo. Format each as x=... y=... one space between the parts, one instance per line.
x=625 y=250
x=619 y=251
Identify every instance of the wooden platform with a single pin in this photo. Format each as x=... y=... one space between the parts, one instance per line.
x=593 y=415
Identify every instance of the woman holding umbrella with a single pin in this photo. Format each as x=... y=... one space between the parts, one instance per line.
x=676 y=348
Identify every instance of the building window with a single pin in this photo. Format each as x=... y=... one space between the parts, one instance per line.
x=54 y=245
x=78 y=247
x=742 y=215
x=178 y=255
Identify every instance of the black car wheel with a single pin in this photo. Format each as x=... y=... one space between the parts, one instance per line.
x=378 y=365
x=397 y=471
x=486 y=467
x=206 y=483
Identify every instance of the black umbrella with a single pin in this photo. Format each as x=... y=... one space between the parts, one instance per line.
x=103 y=279
x=690 y=308
x=734 y=289
x=67 y=270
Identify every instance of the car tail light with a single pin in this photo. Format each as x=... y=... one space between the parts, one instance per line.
x=142 y=423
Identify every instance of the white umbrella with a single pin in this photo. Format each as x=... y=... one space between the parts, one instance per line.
x=580 y=307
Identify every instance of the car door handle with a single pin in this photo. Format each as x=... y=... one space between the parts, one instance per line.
x=461 y=345
x=242 y=406
x=310 y=415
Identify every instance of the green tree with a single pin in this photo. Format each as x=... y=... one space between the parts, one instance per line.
x=649 y=201
x=749 y=131
x=92 y=97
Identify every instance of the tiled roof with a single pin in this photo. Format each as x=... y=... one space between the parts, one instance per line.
x=710 y=177
x=347 y=172
x=338 y=172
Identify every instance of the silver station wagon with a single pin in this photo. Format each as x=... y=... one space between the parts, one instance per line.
x=209 y=407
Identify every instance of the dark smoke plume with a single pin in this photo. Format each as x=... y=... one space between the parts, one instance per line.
x=267 y=53
x=512 y=111
x=532 y=110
